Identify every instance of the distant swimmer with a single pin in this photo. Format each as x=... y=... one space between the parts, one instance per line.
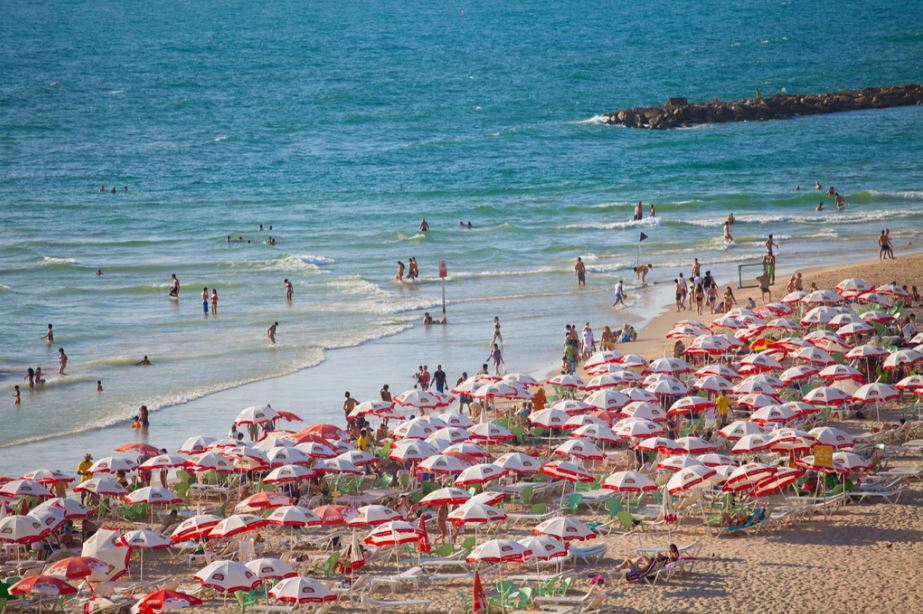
x=261 y=228
x=638 y=211
x=102 y=189
x=840 y=203
x=271 y=333
x=728 y=237
x=731 y=219
x=49 y=335
x=653 y=212
x=399 y=276
x=289 y=290
x=144 y=362
x=17 y=397
x=113 y=191
x=38 y=376
x=62 y=361
x=580 y=268
x=464 y=225
x=270 y=241
x=831 y=191
x=818 y=186
x=819 y=207
x=174 y=287
x=770 y=244
x=214 y=302
x=99 y=385
x=99 y=272
x=797 y=188
x=205 y=300
x=427 y=319
x=424 y=225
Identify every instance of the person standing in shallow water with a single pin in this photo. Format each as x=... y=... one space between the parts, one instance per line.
x=580 y=268
x=271 y=333
x=214 y=302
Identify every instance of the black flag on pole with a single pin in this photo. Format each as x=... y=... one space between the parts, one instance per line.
x=643 y=236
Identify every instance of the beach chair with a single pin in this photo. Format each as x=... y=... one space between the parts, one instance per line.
x=582 y=600
x=525 y=497
x=628 y=523
x=571 y=502
x=588 y=554
x=407 y=604
x=751 y=525
x=647 y=574
x=408 y=576
x=468 y=544
x=245 y=599
x=328 y=566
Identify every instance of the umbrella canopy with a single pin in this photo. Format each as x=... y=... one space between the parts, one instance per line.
x=575 y=422
x=479 y=474
x=227 y=577
x=447 y=436
x=876 y=392
x=567 y=470
x=523 y=379
x=411 y=450
x=694 y=445
x=489 y=433
x=739 y=428
x=751 y=443
x=584 y=449
x=607 y=399
x=113 y=464
x=566 y=380
x=689 y=477
x=629 y=481
x=420 y=399
x=798 y=373
x=549 y=418
x=645 y=410
x=372 y=515
x=166 y=600
x=831 y=436
x=196 y=445
x=839 y=373
x=543 y=547
x=392 y=533
x=775 y=482
x=47 y=476
x=713 y=459
x=236 y=524
x=852 y=287
x=519 y=463
x=826 y=396
x=71 y=507
x=333 y=514
x=636 y=428
x=498 y=551
x=152 y=495
x=164 y=461
x=468 y=449
x=657 y=444
x=101 y=486
x=21 y=529
x=324 y=431
x=679 y=462
x=293 y=516
x=565 y=529
x=446 y=496
x=75 y=567
x=418 y=428
x=456 y=420
x=337 y=465
x=301 y=590
x=24 y=488
x=573 y=407
x=773 y=414
x=256 y=414
x=194 y=528
x=263 y=500
x=104 y=546
x=501 y=390
x=911 y=382
x=42 y=585
x=279 y=456
x=475 y=513
x=712 y=383
x=270 y=569
x=146 y=539
x=688 y=405
x=289 y=473
x=440 y=463
x=902 y=358
x=211 y=461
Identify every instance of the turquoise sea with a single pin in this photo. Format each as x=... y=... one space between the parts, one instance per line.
x=342 y=125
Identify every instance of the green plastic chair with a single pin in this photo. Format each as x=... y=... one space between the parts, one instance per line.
x=627 y=520
x=245 y=599
x=613 y=507
x=442 y=550
x=520 y=434
x=572 y=502
x=468 y=544
x=524 y=596
x=564 y=586
x=539 y=508
x=525 y=497
x=466 y=601
x=181 y=489
x=328 y=566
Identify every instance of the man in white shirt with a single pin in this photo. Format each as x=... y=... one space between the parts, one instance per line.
x=619 y=294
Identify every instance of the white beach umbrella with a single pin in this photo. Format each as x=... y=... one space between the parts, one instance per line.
x=498 y=551
x=102 y=487
x=548 y=418
x=227 y=577
x=256 y=414
x=584 y=449
x=271 y=569
x=301 y=590
x=196 y=444
x=475 y=513
x=565 y=529
x=607 y=399
x=629 y=481
x=293 y=516
x=519 y=463
x=543 y=547
x=479 y=474
x=288 y=473
x=689 y=477
x=440 y=463
x=678 y=462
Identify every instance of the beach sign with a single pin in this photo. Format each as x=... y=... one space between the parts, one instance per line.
x=823 y=456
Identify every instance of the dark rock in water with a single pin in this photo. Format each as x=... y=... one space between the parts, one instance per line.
x=678 y=112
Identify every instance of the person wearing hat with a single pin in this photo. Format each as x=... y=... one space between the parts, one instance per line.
x=83 y=470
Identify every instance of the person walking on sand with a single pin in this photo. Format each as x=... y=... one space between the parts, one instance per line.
x=589 y=342
x=764 y=287
x=214 y=302
x=174 y=286
x=271 y=333
x=439 y=379
x=619 y=294
x=580 y=268
x=289 y=290
x=496 y=356
x=62 y=361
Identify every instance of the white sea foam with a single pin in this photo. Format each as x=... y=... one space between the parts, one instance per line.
x=295 y=262
x=517 y=273
x=219 y=138
x=596 y=119
x=52 y=261
x=648 y=222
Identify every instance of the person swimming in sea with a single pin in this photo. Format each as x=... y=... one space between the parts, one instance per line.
x=728 y=238
x=840 y=203
x=144 y=362
x=424 y=225
x=49 y=335
x=731 y=219
x=174 y=286
x=819 y=207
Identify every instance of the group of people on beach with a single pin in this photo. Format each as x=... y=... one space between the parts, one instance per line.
x=639 y=212
x=885 y=248
x=580 y=346
x=701 y=290
x=412 y=270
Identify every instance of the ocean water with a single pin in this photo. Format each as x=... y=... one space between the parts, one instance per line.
x=342 y=125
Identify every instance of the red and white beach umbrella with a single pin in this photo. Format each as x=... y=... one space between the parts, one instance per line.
x=411 y=450
x=498 y=551
x=52 y=518
x=910 y=383
x=902 y=358
x=877 y=317
x=21 y=529
x=333 y=514
x=24 y=488
x=211 y=461
x=152 y=495
x=575 y=422
x=548 y=418
x=166 y=600
x=770 y=484
x=565 y=529
x=44 y=586
x=739 y=428
x=256 y=414
x=855 y=329
x=749 y=444
x=301 y=590
x=708 y=345
x=639 y=394
x=316 y=449
x=787 y=440
x=113 y=464
x=501 y=390
x=194 y=528
x=336 y=465
x=393 y=533
x=694 y=445
x=567 y=470
x=752 y=385
x=370 y=408
x=566 y=380
x=441 y=463
x=713 y=459
x=164 y=461
x=104 y=487
x=689 y=477
x=634 y=428
x=712 y=383
x=235 y=525
x=372 y=515
x=794 y=297
x=293 y=516
x=488 y=497
x=629 y=481
x=866 y=351
x=813 y=355
x=826 y=396
x=644 y=410
x=71 y=508
x=726 y=321
x=479 y=474
x=745 y=476
x=584 y=449
x=759 y=363
x=822 y=297
x=657 y=444
x=852 y=287
x=773 y=414
x=475 y=513
x=522 y=379
x=543 y=547
x=447 y=436
x=446 y=496
x=518 y=463
x=489 y=433
x=832 y=436
x=798 y=373
x=227 y=577
x=418 y=428
x=263 y=501
x=849 y=462
x=596 y=432
x=608 y=400
x=280 y=456
x=672 y=366
x=839 y=373
x=270 y=569
x=667 y=386
x=468 y=449
x=876 y=392
x=573 y=407
x=689 y=405
x=456 y=420
x=420 y=399
x=47 y=476
x=609 y=381
x=75 y=567
x=146 y=539
x=288 y=473
x=196 y=445
x=678 y=462
x=603 y=357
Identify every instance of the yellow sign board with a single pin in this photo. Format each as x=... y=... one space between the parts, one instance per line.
x=823 y=456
